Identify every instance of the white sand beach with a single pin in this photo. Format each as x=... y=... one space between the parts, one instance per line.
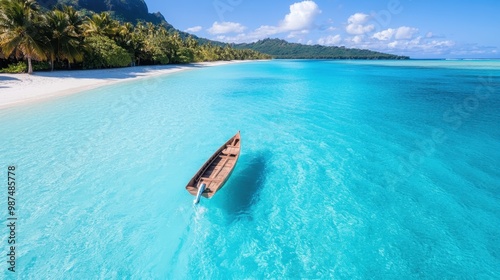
x=17 y=89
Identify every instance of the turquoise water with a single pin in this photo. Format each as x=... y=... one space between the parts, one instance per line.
x=349 y=170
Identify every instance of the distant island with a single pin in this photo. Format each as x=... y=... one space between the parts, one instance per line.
x=278 y=48
x=84 y=34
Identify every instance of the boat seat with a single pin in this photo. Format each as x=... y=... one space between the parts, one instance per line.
x=230 y=150
x=209 y=179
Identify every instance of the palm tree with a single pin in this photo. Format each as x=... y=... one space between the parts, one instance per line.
x=151 y=29
x=101 y=24
x=74 y=18
x=139 y=38
x=132 y=40
x=75 y=27
x=124 y=36
x=20 y=25
x=190 y=42
x=63 y=26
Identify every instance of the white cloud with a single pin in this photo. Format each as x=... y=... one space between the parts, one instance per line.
x=298 y=34
x=194 y=29
x=474 y=51
x=421 y=45
x=301 y=16
x=226 y=27
x=357 y=39
x=330 y=40
x=264 y=31
x=405 y=32
x=393 y=45
x=298 y=21
x=446 y=43
x=355 y=24
x=385 y=34
x=403 y=40
x=239 y=38
x=400 y=33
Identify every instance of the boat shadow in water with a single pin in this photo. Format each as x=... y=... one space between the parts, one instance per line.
x=242 y=190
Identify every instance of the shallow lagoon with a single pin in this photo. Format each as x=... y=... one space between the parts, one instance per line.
x=349 y=169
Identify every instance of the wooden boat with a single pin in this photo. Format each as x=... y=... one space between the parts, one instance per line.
x=216 y=170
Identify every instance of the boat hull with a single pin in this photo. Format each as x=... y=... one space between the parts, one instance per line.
x=216 y=170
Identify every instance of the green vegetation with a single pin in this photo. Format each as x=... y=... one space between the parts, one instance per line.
x=65 y=36
x=15 y=68
x=102 y=52
x=20 y=23
x=282 y=49
x=22 y=67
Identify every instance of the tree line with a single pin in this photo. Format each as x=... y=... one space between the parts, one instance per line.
x=64 y=38
x=281 y=49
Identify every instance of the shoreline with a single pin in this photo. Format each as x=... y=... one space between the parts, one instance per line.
x=19 y=89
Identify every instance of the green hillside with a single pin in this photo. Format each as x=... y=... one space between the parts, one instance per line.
x=124 y=10
x=282 y=49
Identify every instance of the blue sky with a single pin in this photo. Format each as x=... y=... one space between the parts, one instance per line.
x=418 y=28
